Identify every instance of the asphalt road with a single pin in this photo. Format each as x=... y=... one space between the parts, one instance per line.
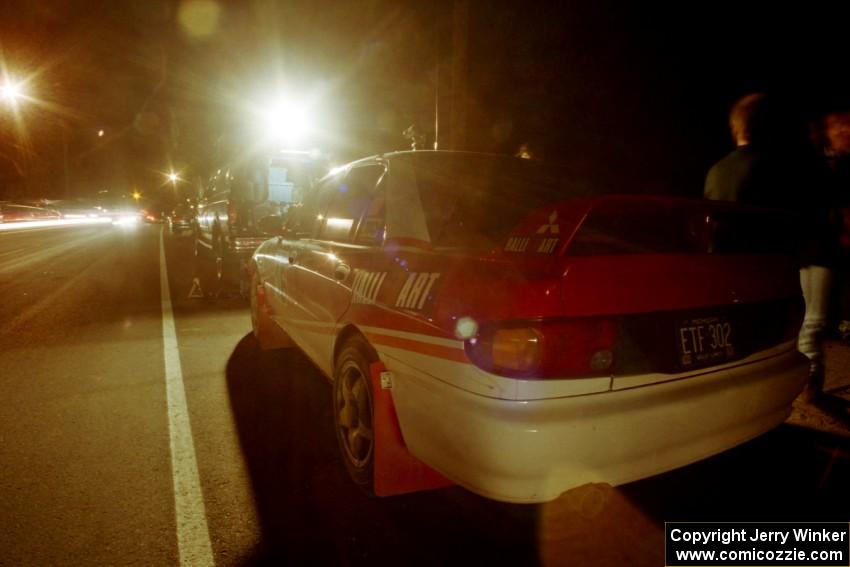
x=86 y=442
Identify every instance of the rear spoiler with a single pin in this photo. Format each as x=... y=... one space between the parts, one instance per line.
x=627 y=224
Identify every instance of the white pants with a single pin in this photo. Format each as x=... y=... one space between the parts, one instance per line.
x=816 y=282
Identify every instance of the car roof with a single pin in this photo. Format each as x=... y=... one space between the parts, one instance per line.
x=410 y=154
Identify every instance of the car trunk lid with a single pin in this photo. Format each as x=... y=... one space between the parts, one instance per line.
x=688 y=284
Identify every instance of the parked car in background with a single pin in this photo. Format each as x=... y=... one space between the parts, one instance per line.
x=120 y=208
x=75 y=208
x=181 y=219
x=12 y=212
x=520 y=333
x=230 y=212
x=153 y=214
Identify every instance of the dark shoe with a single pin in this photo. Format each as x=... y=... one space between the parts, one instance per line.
x=844 y=331
x=810 y=395
x=814 y=389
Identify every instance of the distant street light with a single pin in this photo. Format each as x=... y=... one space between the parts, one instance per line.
x=100 y=133
x=136 y=195
x=173 y=177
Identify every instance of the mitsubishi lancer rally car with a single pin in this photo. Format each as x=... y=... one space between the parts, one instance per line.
x=492 y=322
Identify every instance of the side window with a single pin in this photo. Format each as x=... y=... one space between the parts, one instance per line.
x=308 y=217
x=350 y=202
x=372 y=227
x=248 y=183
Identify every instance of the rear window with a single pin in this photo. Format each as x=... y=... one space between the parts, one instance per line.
x=275 y=179
x=631 y=227
x=475 y=200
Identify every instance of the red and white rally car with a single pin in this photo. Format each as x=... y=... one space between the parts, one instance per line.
x=492 y=318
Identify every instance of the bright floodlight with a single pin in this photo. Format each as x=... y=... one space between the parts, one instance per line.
x=172 y=177
x=11 y=91
x=288 y=121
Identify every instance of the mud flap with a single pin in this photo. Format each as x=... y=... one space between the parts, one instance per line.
x=270 y=336
x=396 y=471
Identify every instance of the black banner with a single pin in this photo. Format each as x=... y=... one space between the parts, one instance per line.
x=821 y=544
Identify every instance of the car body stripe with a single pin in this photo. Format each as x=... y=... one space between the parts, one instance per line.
x=453 y=354
x=447 y=349
x=439 y=341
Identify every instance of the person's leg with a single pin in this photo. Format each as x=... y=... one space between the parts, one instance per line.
x=815 y=281
x=841 y=280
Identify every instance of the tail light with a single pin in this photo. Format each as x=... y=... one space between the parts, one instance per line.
x=558 y=348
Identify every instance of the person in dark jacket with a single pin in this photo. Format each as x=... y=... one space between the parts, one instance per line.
x=836 y=128
x=774 y=166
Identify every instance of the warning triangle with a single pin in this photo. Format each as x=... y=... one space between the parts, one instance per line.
x=196 y=291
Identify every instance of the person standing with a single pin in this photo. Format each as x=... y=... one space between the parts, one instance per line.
x=836 y=130
x=774 y=166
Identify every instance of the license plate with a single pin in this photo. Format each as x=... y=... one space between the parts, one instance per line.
x=703 y=341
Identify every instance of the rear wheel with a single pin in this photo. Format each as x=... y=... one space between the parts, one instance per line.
x=353 y=411
x=218 y=257
x=208 y=270
x=245 y=281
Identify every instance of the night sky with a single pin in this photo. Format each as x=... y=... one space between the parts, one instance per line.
x=635 y=93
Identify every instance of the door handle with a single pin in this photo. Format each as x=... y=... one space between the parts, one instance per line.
x=341 y=271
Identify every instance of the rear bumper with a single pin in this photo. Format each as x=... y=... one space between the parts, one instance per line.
x=532 y=451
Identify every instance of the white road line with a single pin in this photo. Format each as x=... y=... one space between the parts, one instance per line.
x=193 y=537
x=41 y=225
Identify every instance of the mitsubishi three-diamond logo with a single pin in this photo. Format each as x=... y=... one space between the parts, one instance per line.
x=551 y=226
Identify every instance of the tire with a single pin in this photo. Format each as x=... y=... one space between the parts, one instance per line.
x=213 y=270
x=218 y=257
x=245 y=281
x=204 y=273
x=208 y=270
x=353 y=409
